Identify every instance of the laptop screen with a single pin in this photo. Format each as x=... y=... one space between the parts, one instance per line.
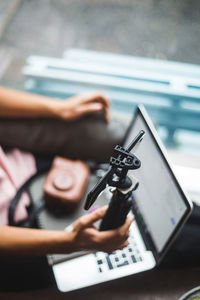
x=160 y=202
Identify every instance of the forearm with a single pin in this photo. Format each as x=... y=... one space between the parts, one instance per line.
x=21 y=104
x=23 y=241
x=82 y=235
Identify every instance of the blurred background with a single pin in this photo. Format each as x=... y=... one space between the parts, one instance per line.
x=169 y=30
x=158 y=29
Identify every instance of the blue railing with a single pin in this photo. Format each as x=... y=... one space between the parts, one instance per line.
x=169 y=90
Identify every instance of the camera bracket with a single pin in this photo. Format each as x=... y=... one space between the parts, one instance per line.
x=116 y=176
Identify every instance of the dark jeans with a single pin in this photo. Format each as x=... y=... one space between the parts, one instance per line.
x=25 y=273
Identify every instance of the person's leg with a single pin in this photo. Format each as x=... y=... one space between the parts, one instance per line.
x=25 y=273
x=89 y=138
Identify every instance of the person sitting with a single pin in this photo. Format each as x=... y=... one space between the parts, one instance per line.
x=83 y=235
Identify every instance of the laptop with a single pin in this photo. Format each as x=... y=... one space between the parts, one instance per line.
x=160 y=207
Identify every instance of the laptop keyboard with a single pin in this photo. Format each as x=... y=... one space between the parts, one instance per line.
x=119 y=258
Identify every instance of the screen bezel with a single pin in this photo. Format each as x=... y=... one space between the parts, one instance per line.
x=141 y=112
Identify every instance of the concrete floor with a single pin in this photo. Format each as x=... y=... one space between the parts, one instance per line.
x=151 y=28
x=168 y=30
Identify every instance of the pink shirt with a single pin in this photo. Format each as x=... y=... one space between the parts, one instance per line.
x=15 y=168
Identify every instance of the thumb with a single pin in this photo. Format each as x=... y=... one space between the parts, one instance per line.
x=90 y=108
x=91 y=218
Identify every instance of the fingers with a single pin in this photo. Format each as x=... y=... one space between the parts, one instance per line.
x=96 y=97
x=128 y=223
x=122 y=231
x=83 y=104
x=89 y=108
x=94 y=103
x=115 y=239
x=108 y=241
x=88 y=220
x=120 y=247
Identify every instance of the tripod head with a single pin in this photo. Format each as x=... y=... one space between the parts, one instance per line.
x=116 y=176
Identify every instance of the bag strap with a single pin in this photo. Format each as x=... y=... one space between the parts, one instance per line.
x=43 y=165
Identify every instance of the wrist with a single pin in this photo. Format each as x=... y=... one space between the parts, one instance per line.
x=65 y=242
x=53 y=108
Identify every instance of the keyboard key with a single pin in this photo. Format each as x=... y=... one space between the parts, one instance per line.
x=140 y=258
x=109 y=262
x=133 y=258
x=125 y=263
x=99 y=261
x=118 y=258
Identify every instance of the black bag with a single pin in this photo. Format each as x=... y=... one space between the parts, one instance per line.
x=43 y=164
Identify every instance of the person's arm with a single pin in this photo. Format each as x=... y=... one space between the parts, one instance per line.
x=22 y=104
x=82 y=236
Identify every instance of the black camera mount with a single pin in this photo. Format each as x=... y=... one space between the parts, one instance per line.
x=123 y=185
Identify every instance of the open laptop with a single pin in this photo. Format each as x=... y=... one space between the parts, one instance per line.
x=160 y=206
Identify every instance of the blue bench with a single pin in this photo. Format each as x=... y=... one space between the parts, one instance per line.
x=170 y=91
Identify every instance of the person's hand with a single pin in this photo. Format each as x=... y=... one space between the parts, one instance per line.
x=85 y=236
x=81 y=105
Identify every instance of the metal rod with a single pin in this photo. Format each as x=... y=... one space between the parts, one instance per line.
x=136 y=140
